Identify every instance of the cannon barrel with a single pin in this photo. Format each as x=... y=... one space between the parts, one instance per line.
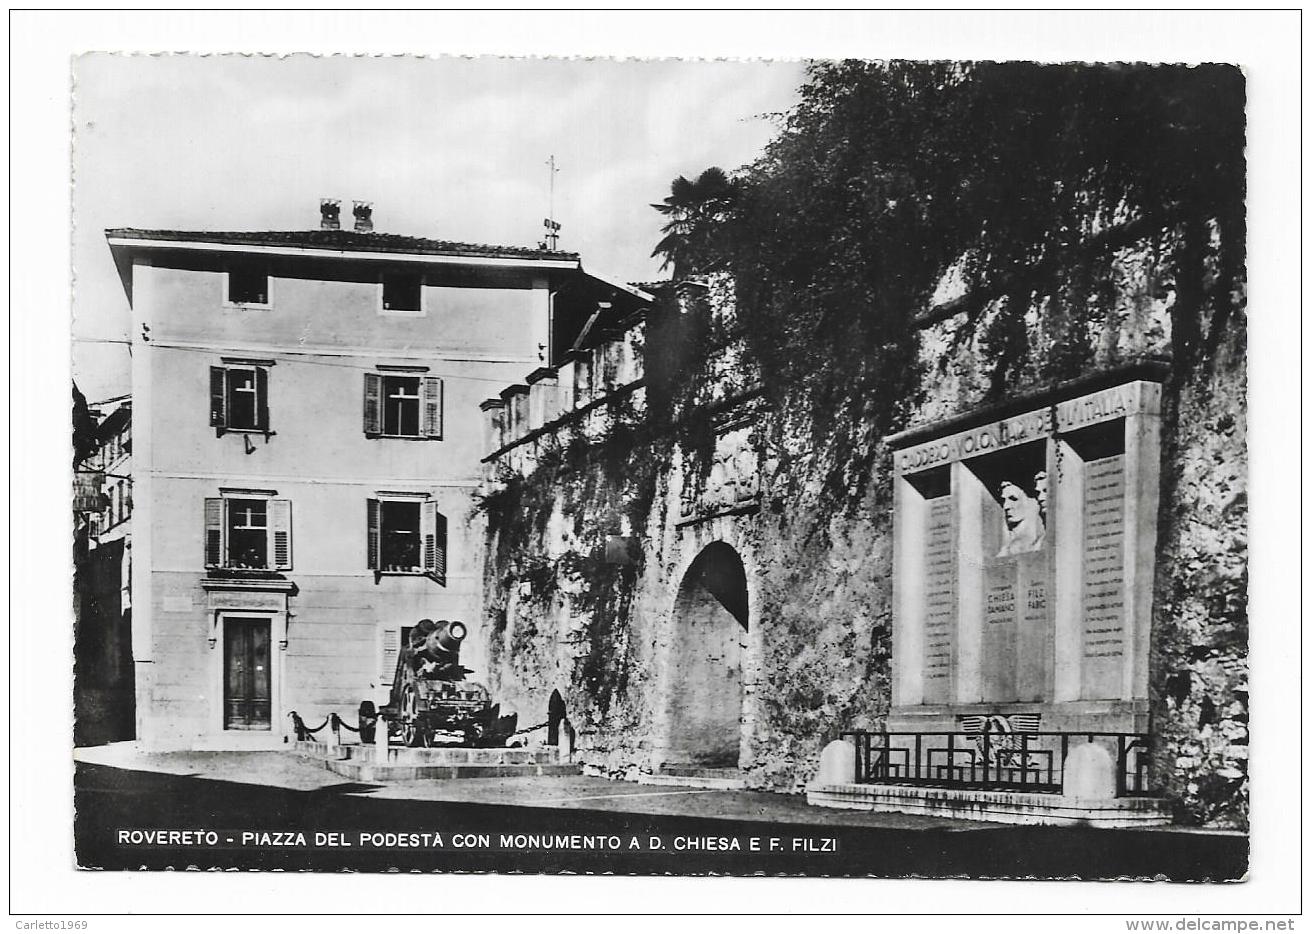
x=448 y=637
x=437 y=642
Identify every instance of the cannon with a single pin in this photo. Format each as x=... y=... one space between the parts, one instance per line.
x=430 y=696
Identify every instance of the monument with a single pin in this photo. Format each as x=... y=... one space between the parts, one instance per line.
x=1025 y=539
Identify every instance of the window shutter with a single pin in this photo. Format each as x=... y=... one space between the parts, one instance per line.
x=261 y=398
x=375 y=534
x=218 y=396
x=432 y=407
x=439 y=570
x=372 y=404
x=213 y=532
x=280 y=533
x=433 y=528
x=391 y=647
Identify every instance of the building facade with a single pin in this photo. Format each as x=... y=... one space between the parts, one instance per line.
x=306 y=446
x=104 y=697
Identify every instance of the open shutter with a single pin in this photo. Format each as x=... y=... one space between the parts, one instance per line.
x=218 y=396
x=433 y=530
x=391 y=647
x=375 y=533
x=280 y=533
x=213 y=532
x=372 y=404
x=261 y=398
x=432 y=407
x=439 y=566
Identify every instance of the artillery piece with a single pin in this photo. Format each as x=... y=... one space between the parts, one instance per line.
x=429 y=694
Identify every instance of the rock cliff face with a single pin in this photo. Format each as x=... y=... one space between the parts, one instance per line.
x=669 y=441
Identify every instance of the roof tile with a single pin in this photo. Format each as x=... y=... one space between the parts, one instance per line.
x=342 y=240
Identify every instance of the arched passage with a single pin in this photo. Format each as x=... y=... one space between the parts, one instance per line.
x=710 y=628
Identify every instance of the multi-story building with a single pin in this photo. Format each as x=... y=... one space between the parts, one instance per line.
x=113 y=460
x=103 y=693
x=307 y=448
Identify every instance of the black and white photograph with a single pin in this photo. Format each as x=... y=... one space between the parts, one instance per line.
x=827 y=466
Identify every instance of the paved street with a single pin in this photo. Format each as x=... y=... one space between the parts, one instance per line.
x=120 y=789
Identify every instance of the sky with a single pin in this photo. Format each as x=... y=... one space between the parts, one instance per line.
x=450 y=148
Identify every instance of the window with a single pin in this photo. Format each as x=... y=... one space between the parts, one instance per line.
x=239 y=398
x=402 y=406
x=399 y=525
x=402 y=292
x=406 y=535
x=248 y=532
x=392 y=640
x=248 y=285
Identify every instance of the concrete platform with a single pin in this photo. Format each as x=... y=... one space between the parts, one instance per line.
x=1006 y=807
x=361 y=762
x=692 y=776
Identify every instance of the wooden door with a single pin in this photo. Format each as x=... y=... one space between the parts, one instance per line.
x=246 y=675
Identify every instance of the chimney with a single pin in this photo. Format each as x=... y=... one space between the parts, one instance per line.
x=329 y=214
x=363 y=216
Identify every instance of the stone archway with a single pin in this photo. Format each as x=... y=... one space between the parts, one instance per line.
x=706 y=660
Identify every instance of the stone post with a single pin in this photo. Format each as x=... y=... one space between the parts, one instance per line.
x=542 y=397
x=514 y=397
x=565 y=377
x=582 y=360
x=380 y=742
x=634 y=344
x=493 y=424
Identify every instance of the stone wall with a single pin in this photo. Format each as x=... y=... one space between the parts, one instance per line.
x=658 y=444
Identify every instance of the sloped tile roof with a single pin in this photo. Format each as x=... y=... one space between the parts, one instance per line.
x=342 y=240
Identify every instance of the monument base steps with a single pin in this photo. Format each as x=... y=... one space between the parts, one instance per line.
x=694 y=776
x=1004 y=807
x=361 y=762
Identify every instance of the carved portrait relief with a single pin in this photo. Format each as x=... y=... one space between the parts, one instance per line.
x=1024 y=511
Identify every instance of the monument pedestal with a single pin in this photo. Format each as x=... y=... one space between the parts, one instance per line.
x=1005 y=807
x=1092 y=716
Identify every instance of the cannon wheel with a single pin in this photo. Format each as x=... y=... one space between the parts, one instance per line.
x=412 y=731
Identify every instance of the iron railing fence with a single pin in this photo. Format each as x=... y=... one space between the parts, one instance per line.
x=992 y=760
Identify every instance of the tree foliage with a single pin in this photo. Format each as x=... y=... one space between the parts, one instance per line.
x=695 y=210
x=1016 y=180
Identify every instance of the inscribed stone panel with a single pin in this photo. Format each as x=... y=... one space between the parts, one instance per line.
x=1103 y=576
x=939 y=599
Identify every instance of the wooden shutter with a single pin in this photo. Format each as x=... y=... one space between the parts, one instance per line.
x=375 y=534
x=218 y=396
x=280 y=533
x=391 y=647
x=432 y=407
x=261 y=398
x=433 y=530
x=372 y=404
x=213 y=531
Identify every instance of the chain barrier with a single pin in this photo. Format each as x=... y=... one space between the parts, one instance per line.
x=304 y=733
x=338 y=722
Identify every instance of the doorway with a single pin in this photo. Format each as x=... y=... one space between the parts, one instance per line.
x=247 y=680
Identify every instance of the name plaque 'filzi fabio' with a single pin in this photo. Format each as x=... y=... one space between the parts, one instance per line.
x=1025 y=549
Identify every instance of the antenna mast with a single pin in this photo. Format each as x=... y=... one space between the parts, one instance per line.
x=552 y=239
